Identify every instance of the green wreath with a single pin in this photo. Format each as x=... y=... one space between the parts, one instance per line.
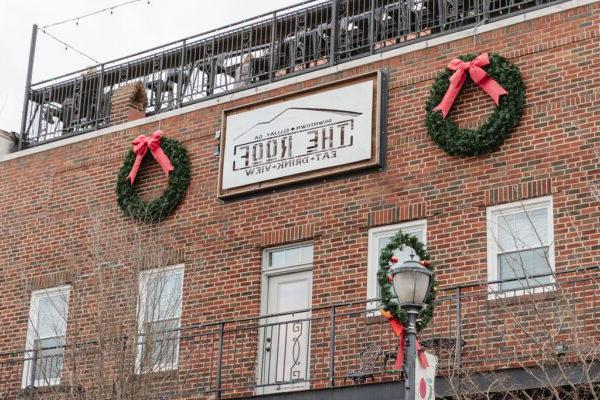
x=159 y=209
x=388 y=296
x=488 y=137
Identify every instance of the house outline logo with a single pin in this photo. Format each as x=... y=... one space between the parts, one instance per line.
x=316 y=109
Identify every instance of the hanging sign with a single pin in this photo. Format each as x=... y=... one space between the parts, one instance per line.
x=425 y=378
x=305 y=135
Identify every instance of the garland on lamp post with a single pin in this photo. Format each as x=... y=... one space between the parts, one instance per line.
x=500 y=79
x=173 y=159
x=389 y=302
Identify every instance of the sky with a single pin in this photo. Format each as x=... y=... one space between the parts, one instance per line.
x=129 y=29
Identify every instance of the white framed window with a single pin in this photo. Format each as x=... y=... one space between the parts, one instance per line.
x=161 y=292
x=45 y=343
x=298 y=255
x=379 y=238
x=520 y=246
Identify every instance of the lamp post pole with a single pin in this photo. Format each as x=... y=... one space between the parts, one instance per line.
x=412 y=282
x=411 y=353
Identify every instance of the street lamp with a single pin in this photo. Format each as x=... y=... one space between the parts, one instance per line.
x=412 y=282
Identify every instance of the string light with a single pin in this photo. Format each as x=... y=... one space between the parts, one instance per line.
x=68 y=46
x=76 y=19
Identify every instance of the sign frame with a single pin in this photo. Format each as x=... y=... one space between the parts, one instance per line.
x=378 y=120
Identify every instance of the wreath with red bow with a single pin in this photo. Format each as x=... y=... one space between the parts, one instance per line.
x=390 y=308
x=500 y=79
x=174 y=161
x=389 y=301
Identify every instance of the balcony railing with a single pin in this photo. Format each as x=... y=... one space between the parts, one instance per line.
x=473 y=331
x=270 y=47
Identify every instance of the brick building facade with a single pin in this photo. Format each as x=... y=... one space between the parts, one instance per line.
x=61 y=227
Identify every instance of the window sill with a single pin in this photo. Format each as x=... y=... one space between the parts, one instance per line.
x=521 y=296
x=165 y=373
x=58 y=388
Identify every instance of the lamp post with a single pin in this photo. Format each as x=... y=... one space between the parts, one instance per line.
x=412 y=282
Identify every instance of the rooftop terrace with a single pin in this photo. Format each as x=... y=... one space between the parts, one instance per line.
x=305 y=37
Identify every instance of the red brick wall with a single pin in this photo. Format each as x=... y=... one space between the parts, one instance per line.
x=58 y=204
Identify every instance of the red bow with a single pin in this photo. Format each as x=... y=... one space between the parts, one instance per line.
x=141 y=145
x=477 y=74
x=400 y=330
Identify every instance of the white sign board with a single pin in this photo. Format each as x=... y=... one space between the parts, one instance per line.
x=298 y=136
x=425 y=378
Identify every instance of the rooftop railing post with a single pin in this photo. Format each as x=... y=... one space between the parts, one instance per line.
x=23 y=136
x=220 y=360
x=334 y=32
x=409 y=7
x=272 y=46
x=99 y=110
x=332 y=348
x=372 y=28
x=483 y=6
x=180 y=75
x=210 y=84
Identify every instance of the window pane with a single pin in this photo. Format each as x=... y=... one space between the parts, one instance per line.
x=307 y=254
x=163 y=296
x=170 y=304
x=532 y=228
x=523 y=264
x=506 y=233
x=523 y=230
x=52 y=315
x=277 y=258
x=159 y=344
x=292 y=256
x=381 y=243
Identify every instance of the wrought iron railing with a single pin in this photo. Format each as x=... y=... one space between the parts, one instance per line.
x=473 y=330
x=266 y=48
x=42 y=366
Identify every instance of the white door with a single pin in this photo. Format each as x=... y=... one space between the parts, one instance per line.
x=285 y=338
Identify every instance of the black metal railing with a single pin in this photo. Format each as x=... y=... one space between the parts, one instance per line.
x=42 y=366
x=266 y=48
x=473 y=329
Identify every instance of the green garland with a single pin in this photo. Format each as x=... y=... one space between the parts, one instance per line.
x=488 y=137
x=388 y=296
x=159 y=209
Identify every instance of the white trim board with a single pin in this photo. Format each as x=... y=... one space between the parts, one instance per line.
x=528 y=16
